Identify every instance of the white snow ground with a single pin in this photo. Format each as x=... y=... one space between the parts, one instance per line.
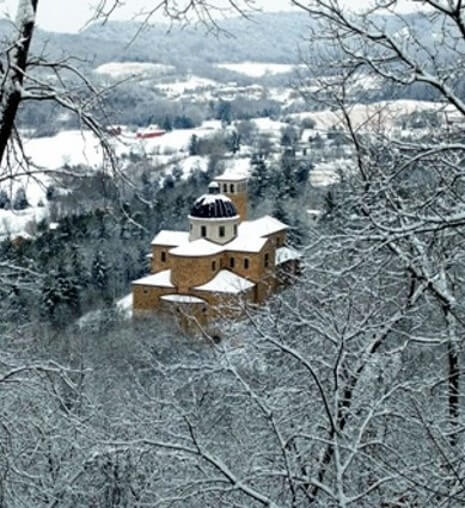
x=257 y=69
x=121 y=70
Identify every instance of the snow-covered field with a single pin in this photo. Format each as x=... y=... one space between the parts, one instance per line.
x=70 y=148
x=13 y=223
x=268 y=126
x=74 y=148
x=257 y=69
x=379 y=115
x=121 y=70
x=327 y=173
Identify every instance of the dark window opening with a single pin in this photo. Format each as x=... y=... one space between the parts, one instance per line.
x=163 y=257
x=213 y=266
x=203 y=231
x=231 y=262
x=225 y=187
x=235 y=229
x=246 y=264
x=231 y=188
x=267 y=259
x=221 y=231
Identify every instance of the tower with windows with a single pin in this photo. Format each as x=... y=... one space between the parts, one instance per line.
x=234 y=186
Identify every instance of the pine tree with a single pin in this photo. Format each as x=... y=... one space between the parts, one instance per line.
x=167 y=125
x=101 y=274
x=5 y=202
x=20 y=201
x=194 y=145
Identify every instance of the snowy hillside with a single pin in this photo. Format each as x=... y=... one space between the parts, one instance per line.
x=257 y=69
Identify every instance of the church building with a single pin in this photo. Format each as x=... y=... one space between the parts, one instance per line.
x=223 y=260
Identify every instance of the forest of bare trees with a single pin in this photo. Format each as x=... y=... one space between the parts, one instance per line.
x=345 y=390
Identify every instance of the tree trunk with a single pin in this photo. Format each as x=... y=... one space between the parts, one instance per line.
x=10 y=95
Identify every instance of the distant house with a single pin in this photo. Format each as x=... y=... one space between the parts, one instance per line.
x=223 y=259
x=152 y=131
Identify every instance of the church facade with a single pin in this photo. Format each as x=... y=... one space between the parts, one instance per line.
x=223 y=260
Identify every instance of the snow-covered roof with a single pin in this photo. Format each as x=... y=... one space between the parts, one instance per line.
x=284 y=254
x=232 y=175
x=246 y=243
x=226 y=282
x=160 y=279
x=200 y=247
x=170 y=238
x=177 y=298
x=264 y=226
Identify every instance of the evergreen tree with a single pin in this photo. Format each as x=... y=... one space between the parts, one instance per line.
x=194 y=145
x=233 y=142
x=177 y=173
x=167 y=125
x=224 y=112
x=168 y=182
x=20 y=201
x=5 y=202
x=259 y=179
x=51 y=193
x=101 y=274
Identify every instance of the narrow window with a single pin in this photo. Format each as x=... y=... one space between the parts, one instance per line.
x=225 y=187
x=213 y=266
x=267 y=259
x=203 y=231
x=231 y=188
x=246 y=264
x=221 y=231
x=235 y=229
x=231 y=262
x=163 y=257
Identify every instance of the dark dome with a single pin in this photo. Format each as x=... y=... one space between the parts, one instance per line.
x=213 y=206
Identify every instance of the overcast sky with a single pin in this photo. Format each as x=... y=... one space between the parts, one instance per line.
x=72 y=15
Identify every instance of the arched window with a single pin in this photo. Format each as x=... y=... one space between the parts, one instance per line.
x=231 y=188
x=221 y=231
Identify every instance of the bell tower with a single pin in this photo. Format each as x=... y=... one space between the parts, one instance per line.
x=235 y=188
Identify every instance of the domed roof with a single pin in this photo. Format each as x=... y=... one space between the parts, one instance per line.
x=213 y=206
